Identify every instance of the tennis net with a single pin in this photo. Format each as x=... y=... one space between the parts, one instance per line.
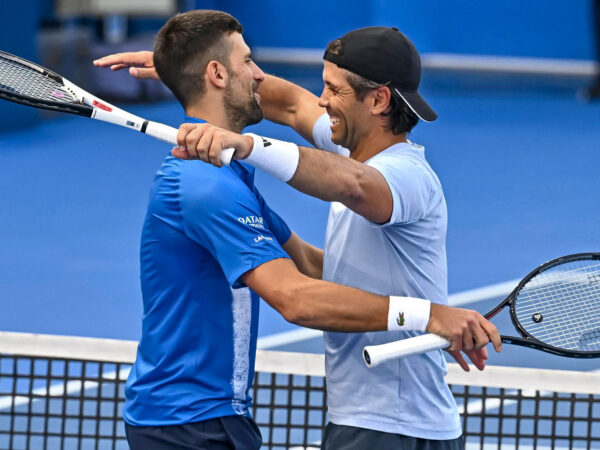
x=59 y=392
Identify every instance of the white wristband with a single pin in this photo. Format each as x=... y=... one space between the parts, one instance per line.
x=408 y=313
x=277 y=158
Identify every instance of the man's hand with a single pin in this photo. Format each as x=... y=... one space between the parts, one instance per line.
x=477 y=357
x=467 y=330
x=140 y=64
x=205 y=142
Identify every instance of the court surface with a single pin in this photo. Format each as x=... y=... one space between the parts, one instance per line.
x=519 y=168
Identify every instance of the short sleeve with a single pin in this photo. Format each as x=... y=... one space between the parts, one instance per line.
x=223 y=214
x=322 y=137
x=410 y=183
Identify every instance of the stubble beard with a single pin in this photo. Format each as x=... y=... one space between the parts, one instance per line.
x=240 y=114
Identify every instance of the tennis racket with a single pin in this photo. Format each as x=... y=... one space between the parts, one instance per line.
x=30 y=84
x=556 y=309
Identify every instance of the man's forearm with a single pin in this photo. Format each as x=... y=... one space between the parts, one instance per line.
x=329 y=306
x=333 y=307
x=317 y=173
x=318 y=304
x=308 y=258
x=327 y=176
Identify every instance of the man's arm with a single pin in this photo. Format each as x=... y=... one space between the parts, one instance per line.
x=289 y=104
x=308 y=258
x=324 y=175
x=328 y=306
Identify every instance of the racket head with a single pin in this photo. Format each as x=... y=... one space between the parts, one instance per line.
x=27 y=83
x=556 y=308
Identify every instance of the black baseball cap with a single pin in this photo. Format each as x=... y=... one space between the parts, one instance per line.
x=385 y=55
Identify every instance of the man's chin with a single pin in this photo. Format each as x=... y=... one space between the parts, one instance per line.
x=254 y=116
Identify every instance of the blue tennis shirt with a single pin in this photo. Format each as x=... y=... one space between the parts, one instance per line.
x=205 y=227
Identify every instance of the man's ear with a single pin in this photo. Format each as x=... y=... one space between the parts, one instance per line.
x=380 y=100
x=217 y=74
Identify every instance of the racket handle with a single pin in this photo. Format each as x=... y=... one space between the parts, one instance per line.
x=377 y=354
x=169 y=134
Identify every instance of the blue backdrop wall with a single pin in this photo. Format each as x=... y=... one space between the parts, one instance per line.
x=533 y=28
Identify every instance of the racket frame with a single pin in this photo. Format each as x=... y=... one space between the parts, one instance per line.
x=526 y=340
x=88 y=105
x=79 y=109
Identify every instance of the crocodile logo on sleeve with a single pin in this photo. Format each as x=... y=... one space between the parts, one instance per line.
x=400 y=319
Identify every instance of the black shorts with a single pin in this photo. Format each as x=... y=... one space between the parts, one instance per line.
x=343 y=437
x=222 y=433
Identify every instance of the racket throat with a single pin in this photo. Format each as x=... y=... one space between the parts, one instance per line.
x=124 y=120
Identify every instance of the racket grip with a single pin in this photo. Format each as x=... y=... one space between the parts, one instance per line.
x=169 y=134
x=377 y=354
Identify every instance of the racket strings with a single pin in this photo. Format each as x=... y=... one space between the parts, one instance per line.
x=20 y=79
x=561 y=306
x=572 y=303
x=590 y=337
x=577 y=318
x=566 y=334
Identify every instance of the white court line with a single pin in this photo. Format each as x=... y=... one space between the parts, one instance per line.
x=498 y=290
x=459 y=299
x=287 y=337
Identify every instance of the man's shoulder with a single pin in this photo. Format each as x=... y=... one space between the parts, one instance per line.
x=195 y=183
x=202 y=185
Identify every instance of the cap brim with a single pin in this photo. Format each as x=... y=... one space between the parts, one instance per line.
x=417 y=104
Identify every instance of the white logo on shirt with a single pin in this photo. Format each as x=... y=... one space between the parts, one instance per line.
x=253 y=221
x=260 y=237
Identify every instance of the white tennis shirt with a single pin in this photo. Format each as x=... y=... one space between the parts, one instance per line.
x=405 y=257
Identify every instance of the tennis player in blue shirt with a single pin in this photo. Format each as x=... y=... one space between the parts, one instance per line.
x=210 y=246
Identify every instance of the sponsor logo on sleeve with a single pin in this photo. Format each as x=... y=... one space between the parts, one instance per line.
x=252 y=221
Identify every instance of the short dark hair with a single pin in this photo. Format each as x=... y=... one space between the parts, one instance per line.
x=401 y=119
x=186 y=44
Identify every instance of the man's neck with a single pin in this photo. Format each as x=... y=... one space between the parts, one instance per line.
x=214 y=113
x=375 y=142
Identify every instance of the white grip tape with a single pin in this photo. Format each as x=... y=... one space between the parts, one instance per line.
x=162 y=132
x=169 y=134
x=374 y=355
